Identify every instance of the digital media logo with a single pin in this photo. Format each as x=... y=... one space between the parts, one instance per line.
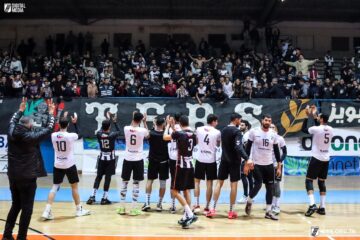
x=314 y=231
x=14 y=7
x=7 y=7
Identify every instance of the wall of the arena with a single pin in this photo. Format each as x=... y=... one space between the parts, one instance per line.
x=313 y=37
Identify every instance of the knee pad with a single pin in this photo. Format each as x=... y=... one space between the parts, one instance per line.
x=162 y=183
x=322 y=186
x=55 y=188
x=309 y=185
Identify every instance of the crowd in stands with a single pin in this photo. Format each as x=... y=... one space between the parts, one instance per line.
x=69 y=69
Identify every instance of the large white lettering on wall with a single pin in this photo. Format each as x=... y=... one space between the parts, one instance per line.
x=101 y=108
x=255 y=109
x=143 y=108
x=193 y=108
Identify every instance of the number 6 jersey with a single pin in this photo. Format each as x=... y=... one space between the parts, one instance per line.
x=134 y=138
x=63 y=143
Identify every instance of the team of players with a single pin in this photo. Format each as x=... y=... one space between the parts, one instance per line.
x=172 y=142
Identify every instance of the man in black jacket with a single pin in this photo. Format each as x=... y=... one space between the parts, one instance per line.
x=232 y=153
x=24 y=167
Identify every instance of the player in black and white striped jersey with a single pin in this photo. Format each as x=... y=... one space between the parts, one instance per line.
x=106 y=164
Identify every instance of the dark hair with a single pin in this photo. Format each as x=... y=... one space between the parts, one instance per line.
x=234 y=116
x=159 y=121
x=184 y=121
x=105 y=125
x=25 y=120
x=64 y=122
x=247 y=124
x=138 y=117
x=324 y=117
x=211 y=118
x=265 y=116
x=177 y=116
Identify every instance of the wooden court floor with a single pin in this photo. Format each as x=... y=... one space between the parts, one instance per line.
x=341 y=222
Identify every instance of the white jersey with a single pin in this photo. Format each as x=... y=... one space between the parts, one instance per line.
x=281 y=144
x=262 y=145
x=134 y=139
x=63 y=143
x=208 y=138
x=321 y=141
x=172 y=146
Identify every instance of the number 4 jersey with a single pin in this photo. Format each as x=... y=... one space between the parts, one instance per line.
x=134 y=138
x=208 y=139
x=63 y=143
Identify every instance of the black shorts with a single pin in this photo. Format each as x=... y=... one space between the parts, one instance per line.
x=205 y=169
x=71 y=174
x=183 y=179
x=264 y=173
x=106 y=167
x=226 y=169
x=158 y=170
x=172 y=167
x=134 y=167
x=317 y=169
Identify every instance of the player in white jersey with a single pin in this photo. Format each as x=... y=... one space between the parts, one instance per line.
x=277 y=186
x=63 y=143
x=263 y=141
x=133 y=161
x=208 y=139
x=319 y=163
x=247 y=180
x=173 y=156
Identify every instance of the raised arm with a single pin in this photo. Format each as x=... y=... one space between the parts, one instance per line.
x=16 y=118
x=169 y=124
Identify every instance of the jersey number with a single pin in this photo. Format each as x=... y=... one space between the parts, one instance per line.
x=61 y=146
x=206 y=139
x=327 y=139
x=191 y=142
x=265 y=142
x=132 y=139
x=105 y=143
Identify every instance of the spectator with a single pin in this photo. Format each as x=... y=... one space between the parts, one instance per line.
x=313 y=74
x=15 y=65
x=329 y=60
x=228 y=87
x=181 y=92
x=201 y=93
x=341 y=90
x=315 y=89
x=17 y=85
x=353 y=90
x=238 y=89
x=276 y=90
x=58 y=85
x=106 y=89
x=33 y=91
x=219 y=96
x=170 y=89
x=356 y=62
x=302 y=65
x=327 y=89
x=259 y=91
x=47 y=92
x=3 y=87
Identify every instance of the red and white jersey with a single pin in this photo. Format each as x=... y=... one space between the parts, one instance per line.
x=321 y=141
x=172 y=146
x=134 y=139
x=63 y=143
x=262 y=146
x=208 y=138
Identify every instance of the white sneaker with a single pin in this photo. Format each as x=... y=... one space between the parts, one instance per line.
x=242 y=200
x=47 y=215
x=275 y=210
x=82 y=212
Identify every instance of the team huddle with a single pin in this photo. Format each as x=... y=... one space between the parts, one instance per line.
x=253 y=155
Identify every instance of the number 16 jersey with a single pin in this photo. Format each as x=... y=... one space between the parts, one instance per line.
x=63 y=143
x=262 y=145
x=134 y=138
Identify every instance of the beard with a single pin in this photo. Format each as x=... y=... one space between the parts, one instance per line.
x=266 y=126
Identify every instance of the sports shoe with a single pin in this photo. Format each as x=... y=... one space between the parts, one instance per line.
x=321 y=211
x=121 y=211
x=242 y=200
x=47 y=215
x=232 y=215
x=211 y=213
x=271 y=215
x=146 y=207
x=105 y=201
x=159 y=207
x=248 y=208
x=186 y=224
x=196 y=209
x=311 y=210
x=206 y=210
x=275 y=210
x=82 y=212
x=134 y=212
x=181 y=221
x=91 y=200
x=172 y=210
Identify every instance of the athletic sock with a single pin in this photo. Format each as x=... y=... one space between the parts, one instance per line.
x=105 y=196
x=78 y=207
x=249 y=200
x=197 y=201
x=274 y=201
x=94 y=192
x=268 y=207
x=214 y=205
x=160 y=201
x=232 y=207
x=173 y=203
x=188 y=211
x=207 y=205
x=48 y=207
x=148 y=198
x=311 y=199
x=322 y=201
